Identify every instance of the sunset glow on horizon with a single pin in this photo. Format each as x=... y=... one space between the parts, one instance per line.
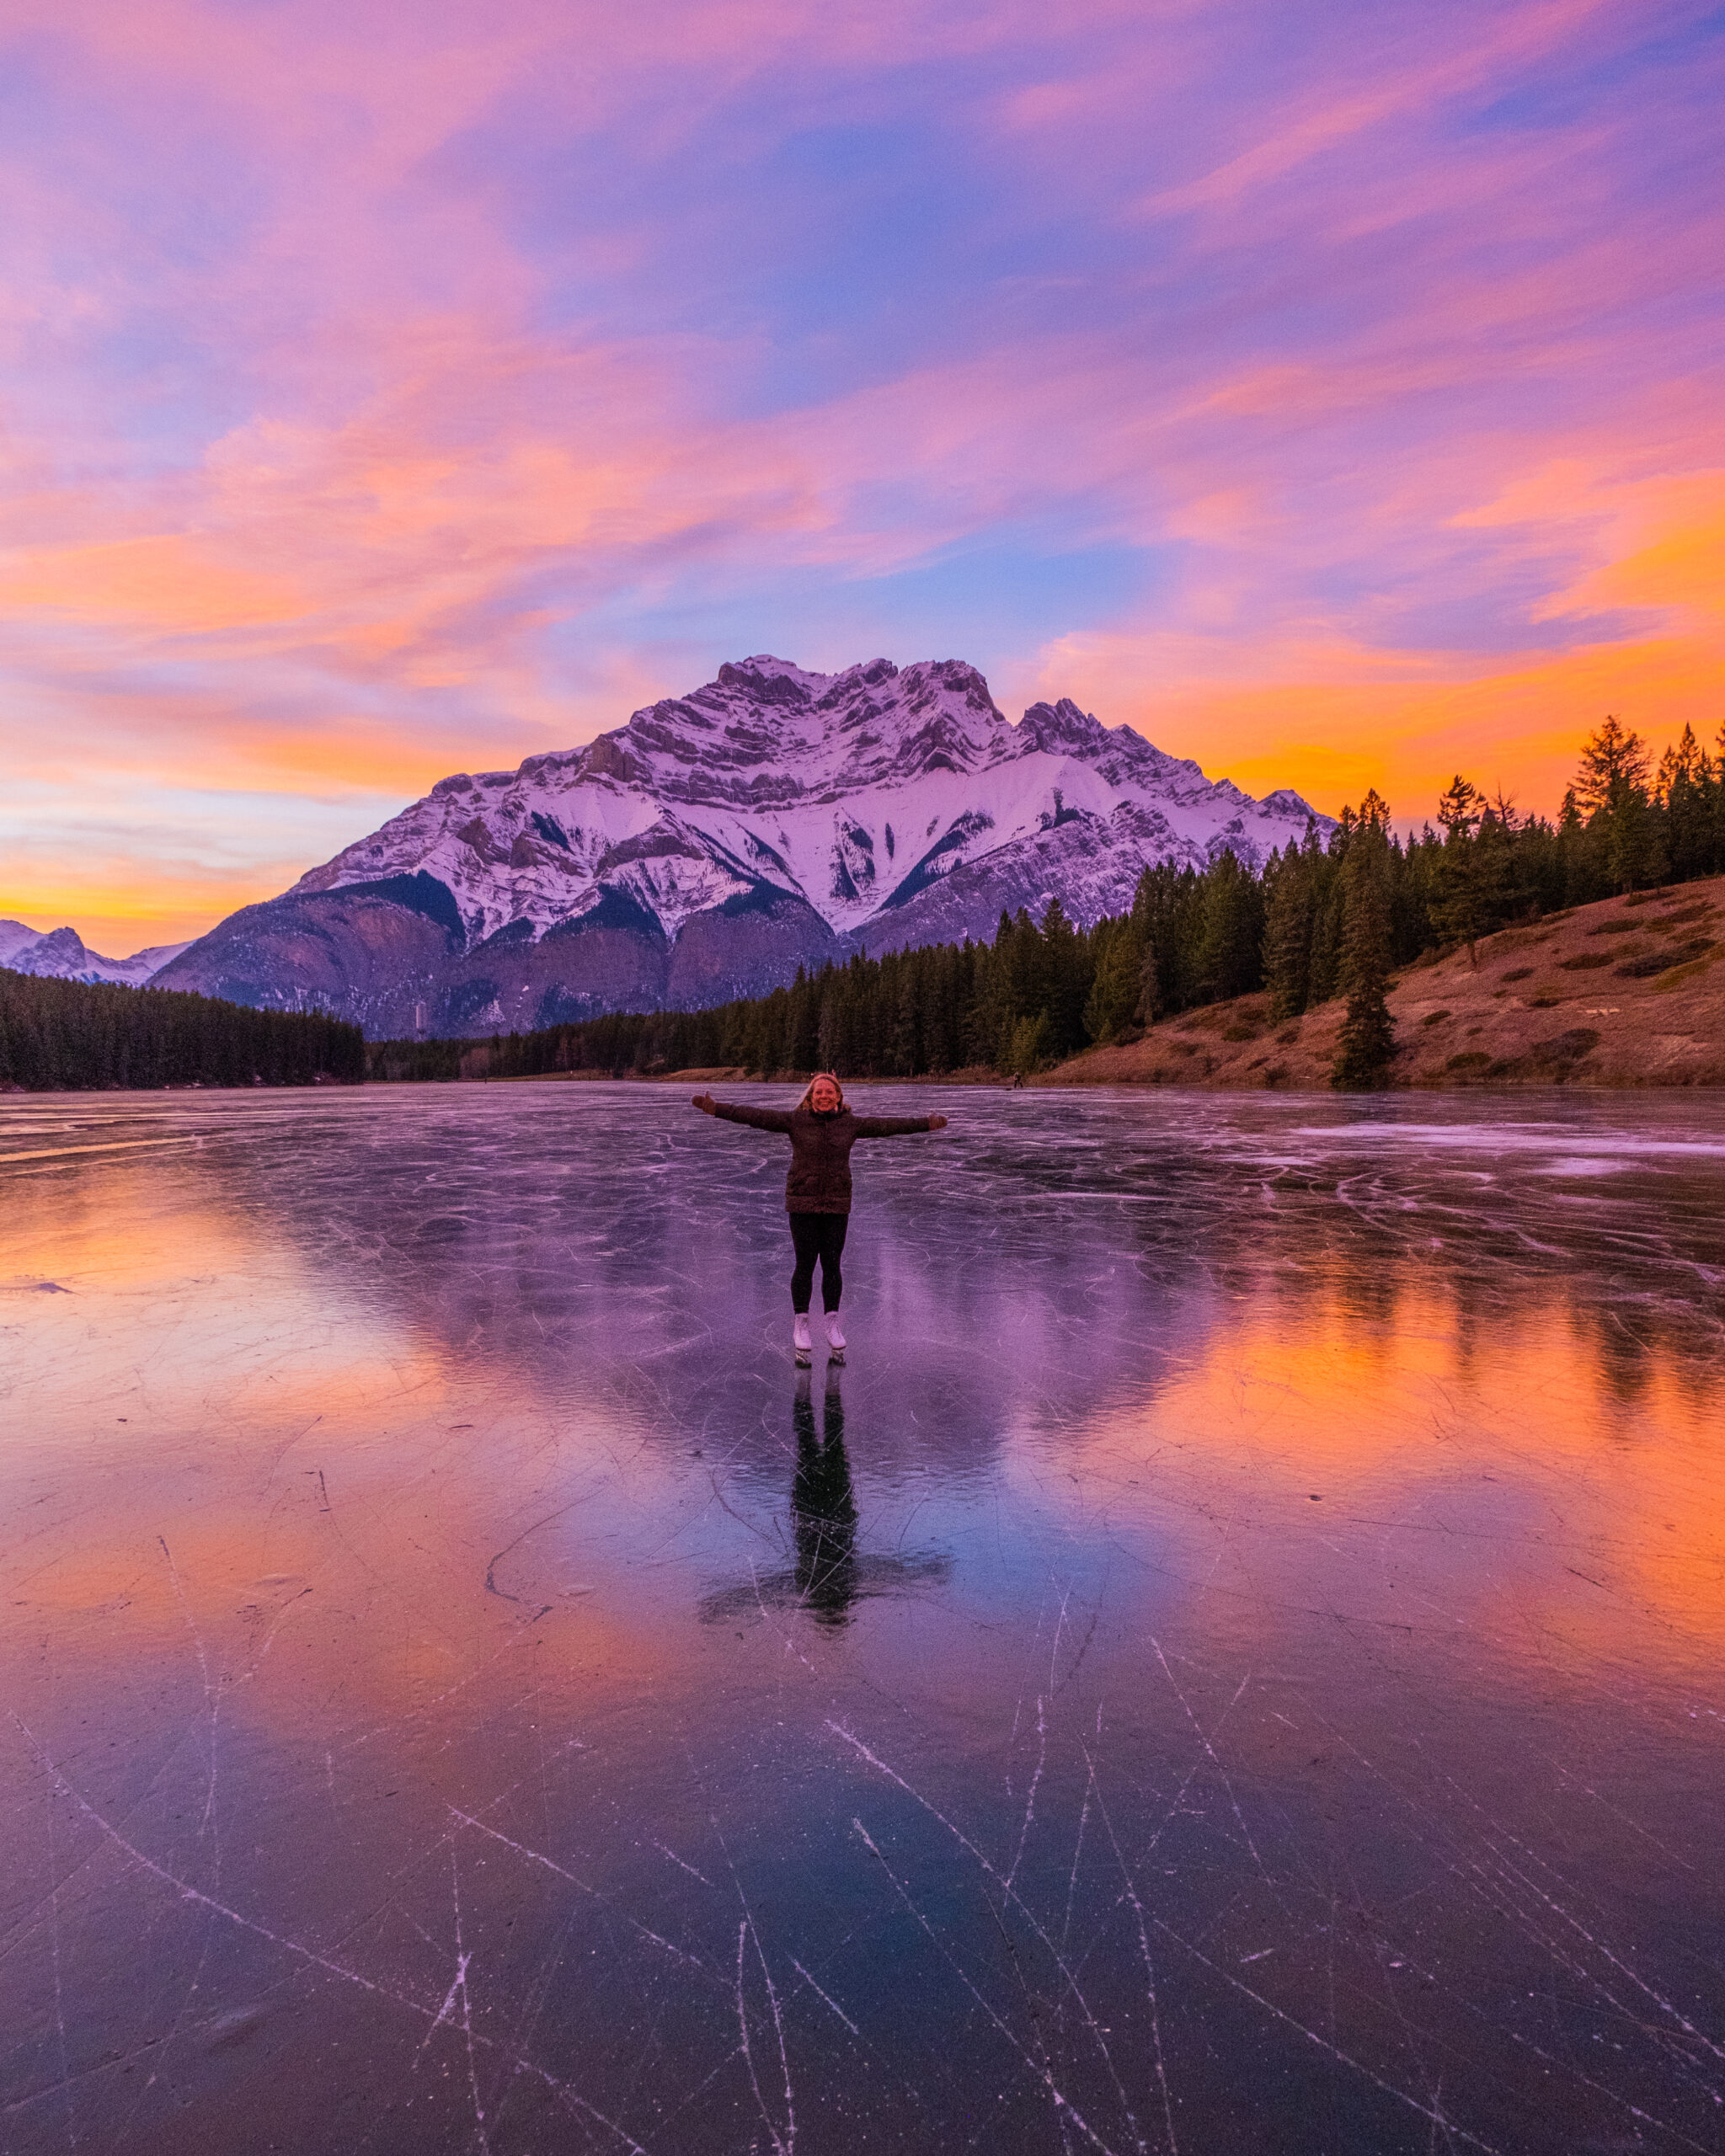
x=390 y=392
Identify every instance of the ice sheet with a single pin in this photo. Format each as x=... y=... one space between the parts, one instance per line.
x=1232 y=1663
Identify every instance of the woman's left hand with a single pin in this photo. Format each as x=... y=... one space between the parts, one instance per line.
x=936 y=1123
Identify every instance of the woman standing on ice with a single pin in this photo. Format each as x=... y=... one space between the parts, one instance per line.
x=822 y=1130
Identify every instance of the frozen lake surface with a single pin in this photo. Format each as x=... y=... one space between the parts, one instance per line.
x=1235 y=1663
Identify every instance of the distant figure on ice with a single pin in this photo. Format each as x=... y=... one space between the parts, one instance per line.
x=822 y=1130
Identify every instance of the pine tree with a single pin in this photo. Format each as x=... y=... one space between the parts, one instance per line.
x=1683 y=791
x=1167 y=912
x=1410 y=899
x=1613 y=782
x=1115 y=991
x=904 y=1018
x=1029 y=1049
x=1614 y=761
x=1458 y=908
x=1580 y=854
x=1066 y=970
x=1327 y=914
x=1460 y=806
x=831 y=1025
x=1230 y=944
x=1494 y=873
x=802 y=1026
x=1367 y=1041
x=1287 y=934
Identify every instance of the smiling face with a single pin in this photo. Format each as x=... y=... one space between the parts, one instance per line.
x=823 y=1097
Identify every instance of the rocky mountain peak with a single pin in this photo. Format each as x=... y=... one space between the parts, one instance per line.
x=1063 y=727
x=766 y=730
x=61 y=950
x=772 y=680
x=61 y=954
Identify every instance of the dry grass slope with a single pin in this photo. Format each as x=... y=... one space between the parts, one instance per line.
x=1627 y=992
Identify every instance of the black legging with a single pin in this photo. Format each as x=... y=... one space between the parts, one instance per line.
x=822 y=1236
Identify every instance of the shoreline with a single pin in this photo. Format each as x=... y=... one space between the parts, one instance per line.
x=1061 y=1078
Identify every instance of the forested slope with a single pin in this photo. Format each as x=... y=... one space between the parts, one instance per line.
x=1625 y=992
x=62 y=1035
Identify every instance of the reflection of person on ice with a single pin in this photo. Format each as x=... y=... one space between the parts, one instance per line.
x=822 y=1130
x=824 y=1504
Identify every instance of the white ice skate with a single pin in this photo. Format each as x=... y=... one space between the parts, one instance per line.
x=800 y=1339
x=835 y=1337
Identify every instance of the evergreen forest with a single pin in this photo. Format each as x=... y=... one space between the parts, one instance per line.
x=1333 y=916
x=67 y=1035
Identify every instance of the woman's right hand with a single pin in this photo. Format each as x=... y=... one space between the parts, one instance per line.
x=706 y=1103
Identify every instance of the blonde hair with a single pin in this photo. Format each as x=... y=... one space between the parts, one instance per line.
x=831 y=1078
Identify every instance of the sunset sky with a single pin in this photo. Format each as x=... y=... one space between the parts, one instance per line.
x=1334 y=392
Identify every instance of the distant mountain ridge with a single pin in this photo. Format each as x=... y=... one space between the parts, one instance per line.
x=773 y=818
x=61 y=954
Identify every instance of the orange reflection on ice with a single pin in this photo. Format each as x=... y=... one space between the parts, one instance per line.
x=1385 y=1423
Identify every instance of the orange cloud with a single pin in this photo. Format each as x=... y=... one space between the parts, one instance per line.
x=1330 y=737
x=167 y=582
x=1330 y=716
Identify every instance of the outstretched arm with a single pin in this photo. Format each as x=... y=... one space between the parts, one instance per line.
x=731 y=1112
x=897 y=1126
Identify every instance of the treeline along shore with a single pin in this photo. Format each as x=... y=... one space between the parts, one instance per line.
x=1337 y=927
x=59 y=1036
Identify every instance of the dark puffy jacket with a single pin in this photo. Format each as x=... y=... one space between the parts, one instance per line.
x=820 y=1180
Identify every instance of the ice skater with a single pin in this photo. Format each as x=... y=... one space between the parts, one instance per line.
x=822 y=1130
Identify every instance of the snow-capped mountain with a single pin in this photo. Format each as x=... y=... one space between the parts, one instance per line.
x=59 y=954
x=773 y=818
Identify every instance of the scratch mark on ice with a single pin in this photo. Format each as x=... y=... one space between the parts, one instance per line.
x=1030 y=1797
x=462 y=1960
x=681 y=1864
x=825 y=2000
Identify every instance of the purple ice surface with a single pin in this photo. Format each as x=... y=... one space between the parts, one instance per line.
x=1231 y=1662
